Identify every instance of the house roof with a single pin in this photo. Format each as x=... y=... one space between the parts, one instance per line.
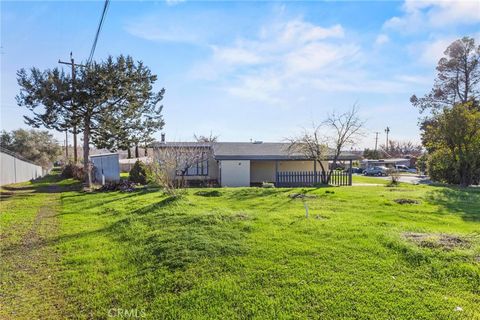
x=182 y=144
x=249 y=150
x=261 y=151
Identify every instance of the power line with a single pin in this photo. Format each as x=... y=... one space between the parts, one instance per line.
x=100 y=24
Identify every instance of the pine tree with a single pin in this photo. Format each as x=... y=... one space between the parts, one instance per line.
x=112 y=97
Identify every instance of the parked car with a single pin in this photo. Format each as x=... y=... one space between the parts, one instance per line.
x=402 y=168
x=376 y=171
x=354 y=170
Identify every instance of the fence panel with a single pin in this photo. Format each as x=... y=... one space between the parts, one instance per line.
x=310 y=178
x=13 y=169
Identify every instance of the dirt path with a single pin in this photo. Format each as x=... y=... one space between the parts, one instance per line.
x=29 y=259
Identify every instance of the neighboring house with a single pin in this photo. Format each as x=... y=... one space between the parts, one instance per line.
x=389 y=163
x=127 y=164
x=238 y=164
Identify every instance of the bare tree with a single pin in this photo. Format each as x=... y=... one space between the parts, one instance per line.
x=402 y=148
x=210 y=138
x=346 y=128
x=326 y=141
x=312 y=145
x=173 y=162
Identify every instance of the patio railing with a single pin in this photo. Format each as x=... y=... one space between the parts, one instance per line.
x=311 y=178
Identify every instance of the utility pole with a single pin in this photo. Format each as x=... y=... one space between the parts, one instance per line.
x=73 y=65
x=376 y=142
x=66 y=146
x=387 y=131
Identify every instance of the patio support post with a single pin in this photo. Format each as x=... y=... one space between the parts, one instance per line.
x=350 y=174
x=276 y=173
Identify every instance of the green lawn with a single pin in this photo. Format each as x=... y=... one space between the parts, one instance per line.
x=361 y=179
x=251 y=253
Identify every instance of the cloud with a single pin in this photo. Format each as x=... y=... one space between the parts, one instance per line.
x=174 y=2
x=293 y=58
x=430 y=52
x=153 y=28
x=177 y=26
x=381 y=39
x=434 y=14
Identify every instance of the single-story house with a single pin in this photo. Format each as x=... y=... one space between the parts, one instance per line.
x=237 y=164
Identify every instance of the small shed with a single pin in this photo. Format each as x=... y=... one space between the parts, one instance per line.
x=107 y=165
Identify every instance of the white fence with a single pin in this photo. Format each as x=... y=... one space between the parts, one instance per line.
x=15 y=170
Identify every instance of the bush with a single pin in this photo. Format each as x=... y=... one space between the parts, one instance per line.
x=441 y=167
x=394 y=177
x=73 y=171
x=138 y=173
x=123 y=186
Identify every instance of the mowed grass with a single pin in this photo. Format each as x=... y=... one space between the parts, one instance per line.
x=250 y=253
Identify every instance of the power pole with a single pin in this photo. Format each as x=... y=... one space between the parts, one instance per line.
x=387 y=131
x=66 y=146
x=73 y=65
x=376 y=142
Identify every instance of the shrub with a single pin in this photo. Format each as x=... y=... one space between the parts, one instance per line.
x=138 y=173
x=394 y=177
x=73 y=171
x=442 y=167
x=123 y=186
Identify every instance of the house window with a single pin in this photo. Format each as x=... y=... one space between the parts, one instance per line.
x=199 y=168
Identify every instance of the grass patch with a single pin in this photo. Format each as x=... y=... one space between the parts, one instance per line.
x=360 y=179
x=442 y=241
x=251 y=253
x=208 y=193
x=406 y=201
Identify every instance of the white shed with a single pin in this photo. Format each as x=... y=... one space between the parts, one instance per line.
x=107 y=165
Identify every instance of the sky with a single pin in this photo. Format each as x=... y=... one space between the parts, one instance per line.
x=247 y=70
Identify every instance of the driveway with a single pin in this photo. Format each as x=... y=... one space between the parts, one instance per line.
x=411 y=178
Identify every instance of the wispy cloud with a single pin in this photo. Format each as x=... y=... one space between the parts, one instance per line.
x=173 y=2
x=293 y=58
x=381 y=39
x=434 y=14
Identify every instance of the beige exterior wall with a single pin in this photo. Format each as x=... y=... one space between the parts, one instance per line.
x=264 y=171
x=235 y=173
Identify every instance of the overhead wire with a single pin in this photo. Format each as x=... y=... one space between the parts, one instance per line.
x=99 y=29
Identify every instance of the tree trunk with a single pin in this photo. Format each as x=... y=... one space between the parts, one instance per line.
x=323 y=177
x=146 y=151
x=75 y=155
x=136 y=151
x=86 y=154
x=129 y=153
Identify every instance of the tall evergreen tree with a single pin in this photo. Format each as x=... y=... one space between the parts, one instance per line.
x=110 y=95
x=52 y=90
x=451 y=128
